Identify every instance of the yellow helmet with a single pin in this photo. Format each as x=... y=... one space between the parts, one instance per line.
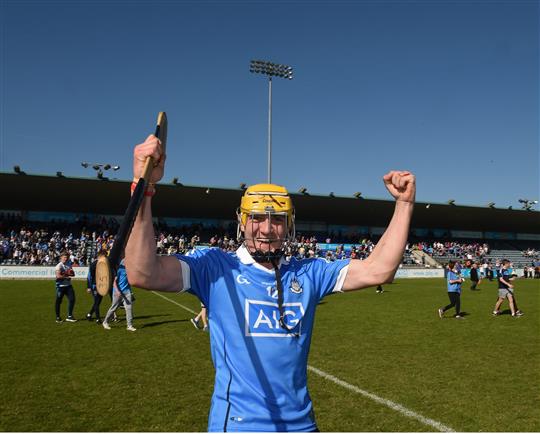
x=267 y=199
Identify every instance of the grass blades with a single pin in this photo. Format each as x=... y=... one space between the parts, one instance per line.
x=477 y=374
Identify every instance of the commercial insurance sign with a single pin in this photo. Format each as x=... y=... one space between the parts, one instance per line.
x=28 y=272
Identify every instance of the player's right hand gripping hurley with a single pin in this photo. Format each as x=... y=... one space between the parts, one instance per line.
x=106 y=266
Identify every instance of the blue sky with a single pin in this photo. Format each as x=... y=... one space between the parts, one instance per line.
x=446 y=89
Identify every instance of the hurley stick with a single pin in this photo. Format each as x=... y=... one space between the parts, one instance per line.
x=106 y=266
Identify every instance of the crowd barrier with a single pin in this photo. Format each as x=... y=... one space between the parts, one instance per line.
x=29 y=272
x=409 y=273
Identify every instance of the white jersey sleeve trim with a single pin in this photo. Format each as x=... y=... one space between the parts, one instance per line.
x=186 y=276
x=341 y=279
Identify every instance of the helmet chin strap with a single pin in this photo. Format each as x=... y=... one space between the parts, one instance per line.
x=261 y=256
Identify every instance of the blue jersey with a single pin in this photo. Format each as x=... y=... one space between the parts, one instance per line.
x=453 y=287
x=121 y=278
x=261 y=378
x=91 y=277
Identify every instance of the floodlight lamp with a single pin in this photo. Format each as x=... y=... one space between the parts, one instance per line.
x=302 y=190
x=207 y=191
x=271 y=69
x=115 y=167
x=451 y=202
x=358 y=195
x=428 y=206
x=491 y=205
x=84 y=164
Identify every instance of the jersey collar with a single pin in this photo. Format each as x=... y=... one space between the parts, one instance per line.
x=245 y=258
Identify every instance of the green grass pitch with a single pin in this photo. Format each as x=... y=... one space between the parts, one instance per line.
x=477 y=374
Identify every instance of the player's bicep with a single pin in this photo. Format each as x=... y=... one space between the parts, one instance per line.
x=360 y=275
x=169 y=277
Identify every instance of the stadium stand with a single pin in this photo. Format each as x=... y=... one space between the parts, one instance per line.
x=35 y=226
x=40 y=243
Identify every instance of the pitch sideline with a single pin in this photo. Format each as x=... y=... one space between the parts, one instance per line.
x=386 y=402
x=175 y=302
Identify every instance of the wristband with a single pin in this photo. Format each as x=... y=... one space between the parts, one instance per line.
x=149 y=192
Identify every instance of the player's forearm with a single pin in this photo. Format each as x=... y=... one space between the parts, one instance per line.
x=388 y=253
x=141 y=258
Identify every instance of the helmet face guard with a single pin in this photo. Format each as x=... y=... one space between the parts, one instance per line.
x=264 y=204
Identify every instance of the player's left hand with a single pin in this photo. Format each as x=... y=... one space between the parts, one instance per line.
x=401 y=185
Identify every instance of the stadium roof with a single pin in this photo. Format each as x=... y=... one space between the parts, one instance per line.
x=84 y=195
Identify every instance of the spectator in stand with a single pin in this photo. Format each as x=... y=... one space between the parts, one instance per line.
x=64 y=272
x=195 y=241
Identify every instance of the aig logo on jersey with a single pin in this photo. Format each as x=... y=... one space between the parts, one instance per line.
x=262 y=318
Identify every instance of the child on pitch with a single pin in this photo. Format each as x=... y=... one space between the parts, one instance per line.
x=506 y=287
x=121 y=292
x=453 y=281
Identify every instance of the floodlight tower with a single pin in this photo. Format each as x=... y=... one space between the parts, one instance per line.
x=271 y=70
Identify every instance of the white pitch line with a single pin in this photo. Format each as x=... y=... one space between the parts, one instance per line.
x=175 y=302
x=391 y=404
x=394 y=406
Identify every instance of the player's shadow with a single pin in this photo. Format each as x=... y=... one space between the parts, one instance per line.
x=158 y=323
x=506 y=312
x=151 y=316
x=464 y=313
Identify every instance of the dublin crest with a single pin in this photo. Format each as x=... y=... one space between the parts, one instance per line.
x=295 y=286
